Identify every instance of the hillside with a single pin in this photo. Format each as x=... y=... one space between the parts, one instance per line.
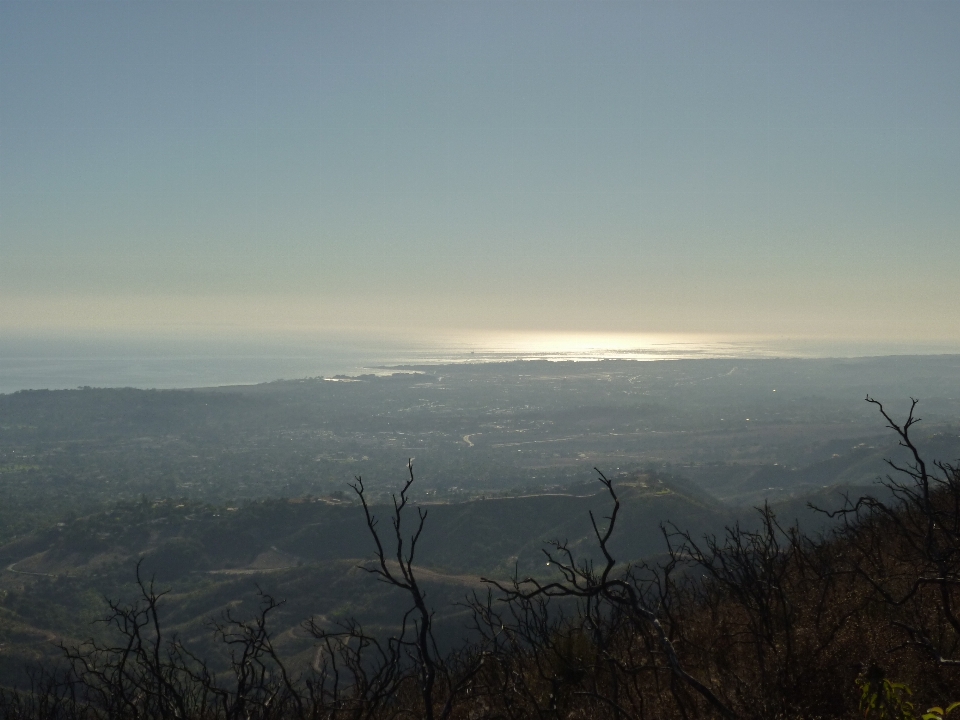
x=735 y=617
x=306 y=552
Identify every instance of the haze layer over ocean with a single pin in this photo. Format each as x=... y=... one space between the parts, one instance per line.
x=184 y=362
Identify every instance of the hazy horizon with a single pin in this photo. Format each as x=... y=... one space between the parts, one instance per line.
x=184 y=361
x=205 y=169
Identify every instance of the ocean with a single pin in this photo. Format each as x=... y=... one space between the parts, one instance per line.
x=191 y=362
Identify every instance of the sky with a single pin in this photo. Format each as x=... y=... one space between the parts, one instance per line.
x=741 y=168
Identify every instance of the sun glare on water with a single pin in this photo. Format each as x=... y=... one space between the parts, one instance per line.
x=587 y=346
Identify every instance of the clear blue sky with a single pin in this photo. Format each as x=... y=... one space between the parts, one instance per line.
x=736 y=167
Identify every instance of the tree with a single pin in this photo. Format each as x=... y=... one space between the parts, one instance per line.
x=619 y=591
x=398 y=571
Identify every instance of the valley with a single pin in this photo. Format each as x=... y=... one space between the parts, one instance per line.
x=223 y=493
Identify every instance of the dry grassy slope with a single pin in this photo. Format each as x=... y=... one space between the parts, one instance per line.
x=306 y=553
x=214 y=560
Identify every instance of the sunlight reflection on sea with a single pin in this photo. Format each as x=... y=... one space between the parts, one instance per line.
x=62 y=362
